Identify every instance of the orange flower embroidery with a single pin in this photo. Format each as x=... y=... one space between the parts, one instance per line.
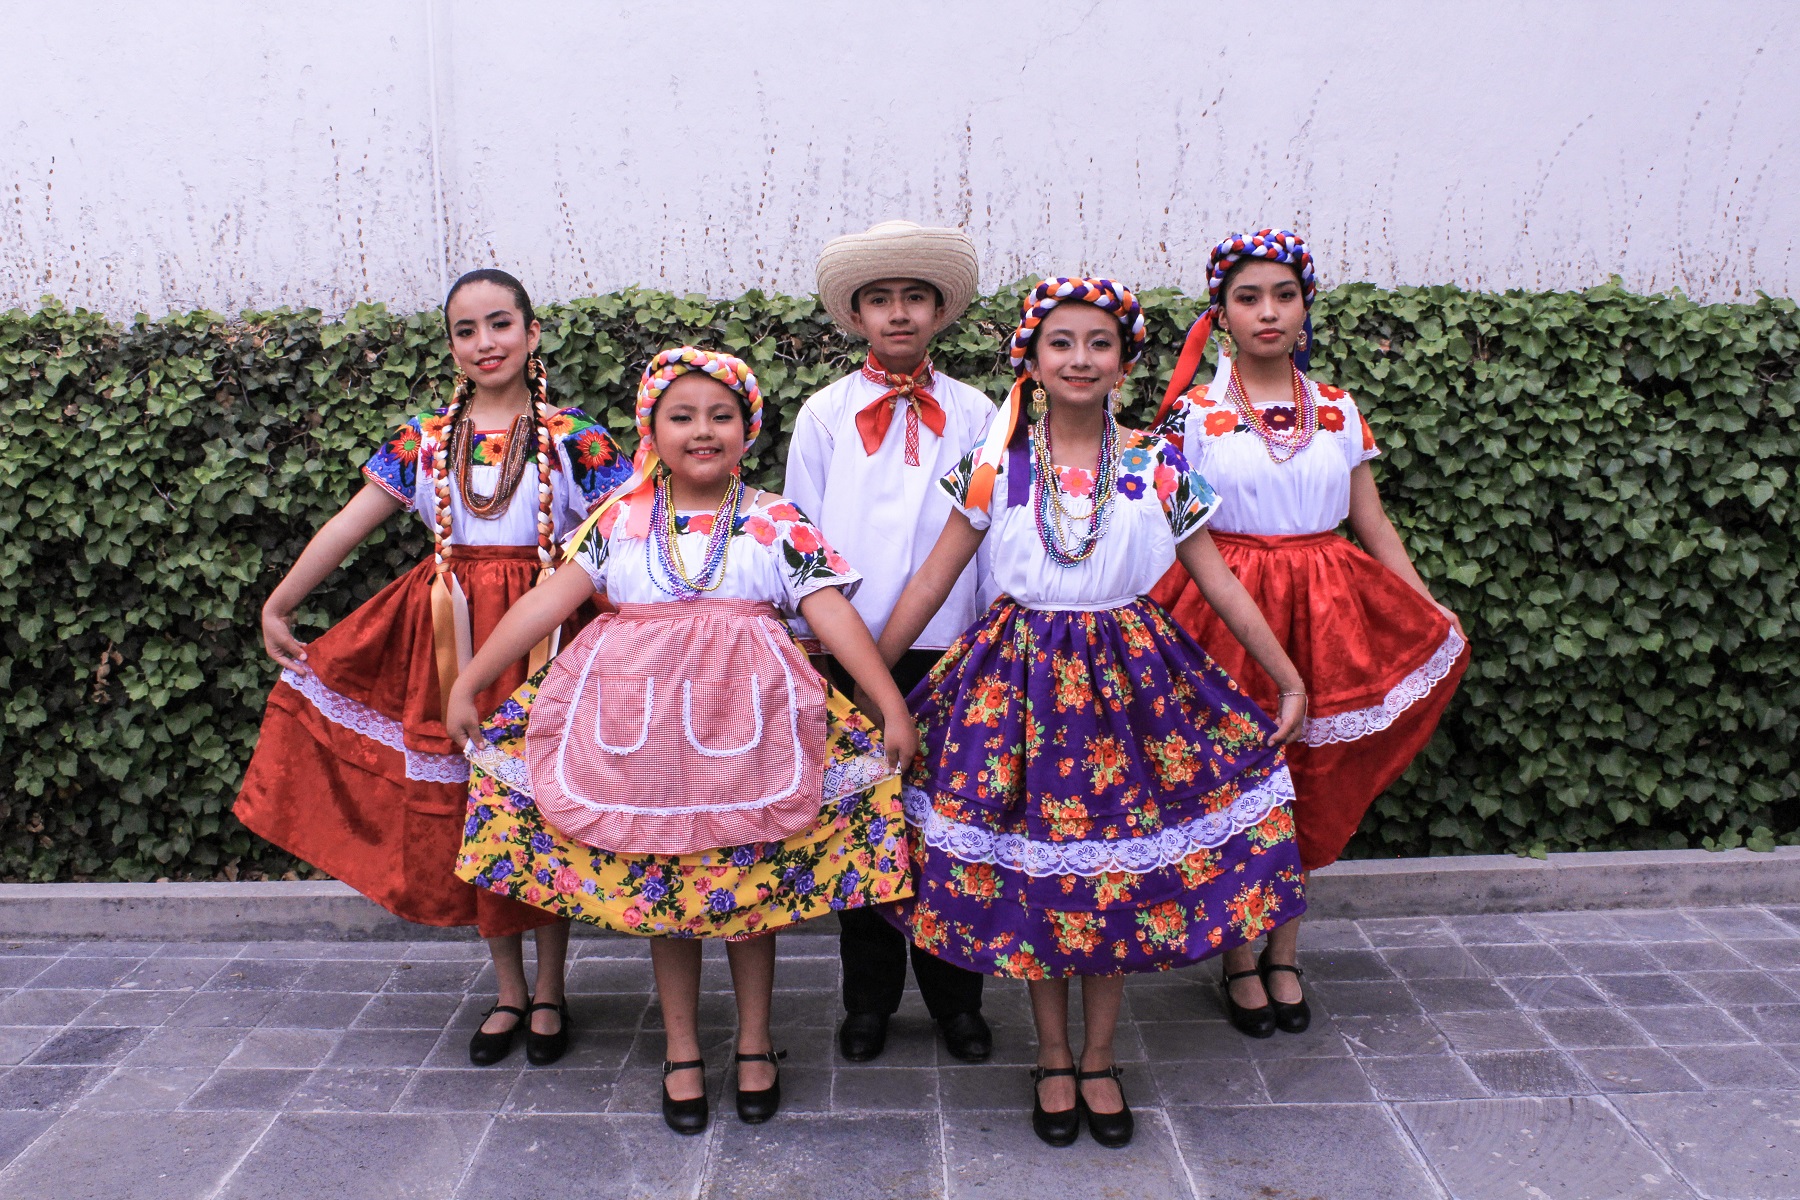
x=1220 y=423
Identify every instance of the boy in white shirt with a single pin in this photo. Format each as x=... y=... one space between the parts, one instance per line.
x=864 y=465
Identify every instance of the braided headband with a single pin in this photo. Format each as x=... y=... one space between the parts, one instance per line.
x=1104 y=294
x=1270 y=245
x=662 y=371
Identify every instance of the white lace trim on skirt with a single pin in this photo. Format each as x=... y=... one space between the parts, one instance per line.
x=359 y=718
x=1361 y=722
x=1137 y=855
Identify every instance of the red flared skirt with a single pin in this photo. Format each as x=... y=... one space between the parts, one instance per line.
x=354 y=771
x=1379 y=660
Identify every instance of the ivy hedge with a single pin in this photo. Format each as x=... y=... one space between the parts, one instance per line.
x=1600 y=483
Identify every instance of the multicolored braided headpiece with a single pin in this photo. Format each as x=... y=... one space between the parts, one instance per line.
x=662 y=371
x=1270 y=245
x=1104 y=294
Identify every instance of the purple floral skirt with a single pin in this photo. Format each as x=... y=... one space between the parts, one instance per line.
x=1093 y=796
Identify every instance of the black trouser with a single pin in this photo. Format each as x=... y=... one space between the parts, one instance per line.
x=873 y=951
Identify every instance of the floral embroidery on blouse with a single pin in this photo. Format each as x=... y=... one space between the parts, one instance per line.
x=1217 y=420
x=809 y=562
x=598 y=465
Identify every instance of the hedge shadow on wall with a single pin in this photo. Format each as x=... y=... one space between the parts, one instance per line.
x=1600 y=483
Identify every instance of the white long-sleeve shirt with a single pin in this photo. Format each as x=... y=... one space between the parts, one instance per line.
x=877 y=511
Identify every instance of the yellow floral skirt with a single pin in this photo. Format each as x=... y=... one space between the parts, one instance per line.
x=855 y=854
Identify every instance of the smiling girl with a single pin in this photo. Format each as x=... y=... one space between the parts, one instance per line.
x=1093 y=796
x=354 y=772
x=681 y=771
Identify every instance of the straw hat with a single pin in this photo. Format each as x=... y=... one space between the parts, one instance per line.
x=944 y=258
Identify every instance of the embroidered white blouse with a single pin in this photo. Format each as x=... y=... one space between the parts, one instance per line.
x=776 y=555
x=1310 y=493
x=884 y=515
x=1159 y=504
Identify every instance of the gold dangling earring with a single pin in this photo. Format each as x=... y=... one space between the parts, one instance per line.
x=1038 y=403
x=1227 y=347
x=1300 y=343
x=1112 y=399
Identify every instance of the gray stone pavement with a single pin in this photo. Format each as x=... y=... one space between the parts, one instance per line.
x=1554 y=1056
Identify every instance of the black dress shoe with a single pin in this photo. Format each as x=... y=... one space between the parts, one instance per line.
x=1289 y=1018
x=862 y=1036
x=684 y=1116
x=756 y=1107
x=1059 y=1128
x=542 y=1049
x=1252 y=1022
x=967 y=1036
x=1111 y=1130
x=486 y=1049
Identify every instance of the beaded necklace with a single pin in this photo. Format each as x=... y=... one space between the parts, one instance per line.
x=1053 y=517
x=1289 y=442
x=512 y=465
x=536 y=381
x=668 y=543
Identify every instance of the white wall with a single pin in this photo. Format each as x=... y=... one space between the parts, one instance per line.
x=178 y=153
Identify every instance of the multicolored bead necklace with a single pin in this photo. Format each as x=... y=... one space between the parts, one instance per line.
x=1285 y=443
x=1053 y=519
x=668 y=543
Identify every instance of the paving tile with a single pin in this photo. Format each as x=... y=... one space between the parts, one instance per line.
x=318 y=1010
x=57 y=1007
x=185 y=1047
x=1775 y=956
x=172 y=974
x=455 y=977
x=35 y=949
x=1315 y=1081
x=1342 y=1151
x=884 y=1089
x=1773 y=1023
x=88 y=1046
x=335 y=951
x=603 y=1051
x=1477 y=1032
x=1660 y=925
x=1222 y=1081
x=1591 y=1028
x=18 y=970
x=1346 y=964
x=475 y=1090
x=249 y=1090
x=68 y=972
x=1422 y=1077
x=133 y=1008
x=572 y=1156
x=1332 y=935
x=1661 y=990
x=360 y=1156
x=225 y=1010
x=146 y=1156
x=254 y=974
x=470 y=949
x=1321 y=1039
x=20 y=1042
x=1351 y=999
x=1738 y=1066
x=1733 y=924
x=1491 y=929
x=1434 y=962
x=1740 y=987
x=1527 y=1073
x=1531 y=958
x=350 y=1089
x=144 y=1089
x=996 y=1154
x=1461 y=995
x=32 y=1089
x=1618 y=1071
x=609 y=975
x=275 y=1047
x=561 y=1090
x=609 y=1012
x=802 y=1157
x=18 y=1130
x=1555 y=991
x=991 y=1087
x=1610 y=958
x=1562 y=927
x=345 y=975
x=1407 y=931
x=1175 y=1004
x=409 y=1010
x=1788 y=915
x=1697 y=956
x=1548 y=1149
x=1179 y=1041
x=1385 y=1037
x=1728 y=1144
x=1698 y=1025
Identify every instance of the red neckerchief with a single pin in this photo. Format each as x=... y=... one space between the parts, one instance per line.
x=875 y=417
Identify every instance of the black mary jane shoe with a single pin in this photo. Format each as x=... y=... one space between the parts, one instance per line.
x=1289 y=1018
x=542 y=1049
x=1251 y=1022
x=486 y=1049
x=1111 y=1130
x=685 y=1116
x=756 y=1107
x=967 y=1037
x=1054 y=1128
x=862 y=1036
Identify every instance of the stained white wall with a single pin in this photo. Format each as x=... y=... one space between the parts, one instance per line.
x=170 y=154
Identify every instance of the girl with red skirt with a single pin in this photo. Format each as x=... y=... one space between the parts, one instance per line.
x=354 y=771
x=1380 y=656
